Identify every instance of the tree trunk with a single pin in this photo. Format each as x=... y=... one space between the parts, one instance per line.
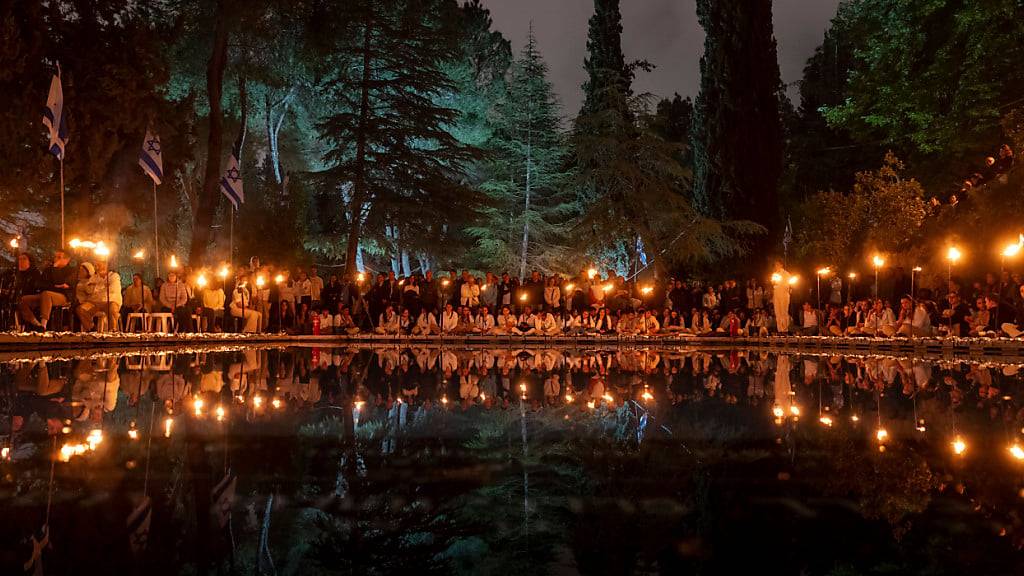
x=526 y=208
x=359 y=192
x=211 y=180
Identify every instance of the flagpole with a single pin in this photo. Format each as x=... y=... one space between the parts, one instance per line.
x=156 y=233
x=62 y=199
x=231 y=239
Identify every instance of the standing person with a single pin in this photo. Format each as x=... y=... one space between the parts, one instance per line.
x=316 y=287
x=330 y=295
x=429 y=293
x=553 y=295
x=174 y=298
x=55 y=289
x=304 y=290
x=489 y=291
x=241 y=306
x=506 y=290
x=780 y=296
x=470 y=293
x=680 y=297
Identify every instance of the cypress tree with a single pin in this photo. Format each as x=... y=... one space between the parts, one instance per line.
x=608 y=73
x=738 y=134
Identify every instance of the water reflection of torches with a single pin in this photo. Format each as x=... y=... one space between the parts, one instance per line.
x=959 y=446
x=133 y=432
x=568 y=398
x=197 y=406
x=591 y=405
x=444 y=400
x=1017 y=452
x=168 y=424
x=220 y=413
x=257 y=401
x=276 y=403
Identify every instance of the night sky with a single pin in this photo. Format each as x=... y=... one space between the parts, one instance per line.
x=665 y=32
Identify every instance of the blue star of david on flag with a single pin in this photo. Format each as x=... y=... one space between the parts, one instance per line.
x=54 y=117
x=231 y=183
x=151 y=159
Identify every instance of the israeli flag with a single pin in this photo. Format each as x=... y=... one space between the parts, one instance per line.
x=53 y=117
x=151 y=157
x=231 y=182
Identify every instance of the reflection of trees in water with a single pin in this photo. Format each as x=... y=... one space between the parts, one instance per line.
x=465 y=489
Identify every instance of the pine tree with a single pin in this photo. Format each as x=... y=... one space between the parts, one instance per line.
x=391 y=157
x=738 y=134
x=523 y=224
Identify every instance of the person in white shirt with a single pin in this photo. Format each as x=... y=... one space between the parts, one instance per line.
x=700 y=323
x=470 y=293
x=388 y=323
x=467 y=325
x=648 y=324
x=627 y=325
x=553 y=294
x=572 y=323
x=880 y=321
x=405 y=322
x=506 y=322
x=545 y=324
x=304 y=290
x=102 y=295
x=449 y=319
x=326 y=322
x=316 y=285
x=241 y=306
x=426 y=323
x=917 y=324
x=484 y=321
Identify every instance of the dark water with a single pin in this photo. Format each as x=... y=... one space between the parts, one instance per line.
x=388 y=461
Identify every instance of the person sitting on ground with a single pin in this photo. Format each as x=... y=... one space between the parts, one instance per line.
x=326 y=321
x=466 y=324
x=572 y=323
x=527 y=322
x=647 y=324
x=241 y=304
x=880 y=321
x=506 y=322
x=344 y=323
x=387 y=322
x=405 y=322
x=55 y=289
x=426 y=324
x=956 y=315
x=979 y=318
x=674 y=323
x=449 y=319
x=626 y=326
x=758 y=323
x=700 y=322
x=546 y=324
x=484 y=321
x=809 y=321
x=835 y=324
x=99 y=295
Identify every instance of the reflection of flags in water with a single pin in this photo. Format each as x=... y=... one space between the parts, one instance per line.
x=231 y=182
x=151 y=157
x=53 y=117
x=223 y=498
x=138 y=525
x=35 y=562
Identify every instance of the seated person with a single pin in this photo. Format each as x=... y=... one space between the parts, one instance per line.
x=212 y=309
x=545 y=324
x=388 y=322
x=808 y=321
x=98 y=295
x=506 y=322
x=174 y=298
x=647 y=324
x=426 y=324
x=137 y=298
x=55 y=289
x=484 y=321
x=527 y=323
x=326 y=321
x=343 y=322
x=241 y=304
x=449 y=319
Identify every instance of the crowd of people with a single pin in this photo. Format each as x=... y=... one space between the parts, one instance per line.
x=262 y=298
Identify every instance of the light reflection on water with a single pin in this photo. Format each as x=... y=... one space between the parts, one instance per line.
x=512 y=460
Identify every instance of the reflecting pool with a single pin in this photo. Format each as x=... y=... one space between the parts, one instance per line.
x=386 y=460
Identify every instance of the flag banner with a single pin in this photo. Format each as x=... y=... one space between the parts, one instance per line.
x=231 y=182
x=151 y=157
x=53 y=118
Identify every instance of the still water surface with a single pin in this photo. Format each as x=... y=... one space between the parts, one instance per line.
x=509 y=461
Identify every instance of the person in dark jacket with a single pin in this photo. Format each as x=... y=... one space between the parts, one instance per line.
x=54 y=289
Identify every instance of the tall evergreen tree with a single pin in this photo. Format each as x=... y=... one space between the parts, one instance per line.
x=524 y=222
x=738 y=134
x=608 y=73
x=391 y=157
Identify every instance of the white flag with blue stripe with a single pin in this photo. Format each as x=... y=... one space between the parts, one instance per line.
x=151 y=157
x=231 y=182
x=53 y=117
